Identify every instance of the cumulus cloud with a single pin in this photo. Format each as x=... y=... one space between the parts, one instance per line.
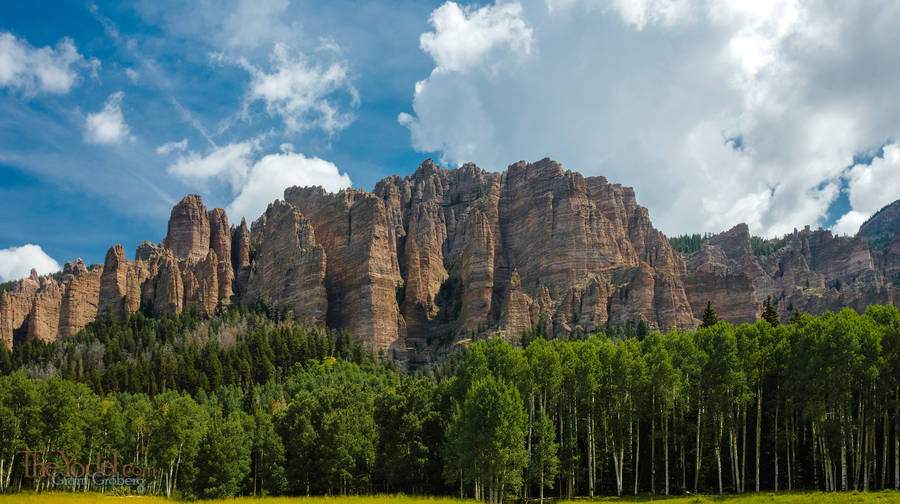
x=231 y=162
x=48 y=70
x=170 y=147
x=850 y=222
x=304 y=93
x=716 y=112
x=108 y=125
x=871 y=187
x=273 y=173
x=465 y=37
x=255 y=181
x=17 y=262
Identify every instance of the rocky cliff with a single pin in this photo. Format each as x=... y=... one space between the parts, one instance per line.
x=812 y=272
x=442 y=255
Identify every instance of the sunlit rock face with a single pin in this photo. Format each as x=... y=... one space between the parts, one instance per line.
x=440 y=257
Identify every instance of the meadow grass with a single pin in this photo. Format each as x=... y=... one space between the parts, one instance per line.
x=762 y=498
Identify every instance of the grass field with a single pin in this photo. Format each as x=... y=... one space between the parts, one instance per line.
x=763 y=498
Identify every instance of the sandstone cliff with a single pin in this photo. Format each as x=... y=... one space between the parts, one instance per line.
x=191 y=268
x=441 y=256
x=814 y=271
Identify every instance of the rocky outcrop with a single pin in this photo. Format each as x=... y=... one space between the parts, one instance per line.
x=726 y=273
x=114 y=282
x=814 y=271
x=441 y=256
x=882 y=225
x=220 y=243
x=362 y=272
x=196 y=271
x=240 y=255
x=189 y=232
x=15 y=306
x=486 y=253
x=80 y=299
x=477 y=272
x=290 y=269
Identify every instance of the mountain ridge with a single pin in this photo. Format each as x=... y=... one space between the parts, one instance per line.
x=441 y=255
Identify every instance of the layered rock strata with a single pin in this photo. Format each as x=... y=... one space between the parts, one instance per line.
x=442 y=256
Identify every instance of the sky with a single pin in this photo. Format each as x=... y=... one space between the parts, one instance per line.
x=775 y=113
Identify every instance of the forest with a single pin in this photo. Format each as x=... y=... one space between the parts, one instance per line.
x=251 y=403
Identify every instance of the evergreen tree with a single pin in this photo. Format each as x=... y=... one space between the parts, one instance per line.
x=710 y=318
x=769 y=314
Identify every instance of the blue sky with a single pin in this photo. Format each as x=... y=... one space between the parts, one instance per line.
x=110 y=112
x=75 y=198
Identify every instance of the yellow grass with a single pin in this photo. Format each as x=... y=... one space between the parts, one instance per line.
x=763 y=498
x=90 y=498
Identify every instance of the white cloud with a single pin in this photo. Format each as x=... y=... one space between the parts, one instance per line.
x=849 y=223
x=231 y=162
x=48 y=70
x=273 y=173
x=871 y=187
x=132 y=75
x=17 y=262
x=108 y=125
x=170 y=147
x=716 y=112
x=464 y=37
x=257 y=182
x=304 y=93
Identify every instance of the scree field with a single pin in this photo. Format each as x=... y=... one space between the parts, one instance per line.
x=784 y=498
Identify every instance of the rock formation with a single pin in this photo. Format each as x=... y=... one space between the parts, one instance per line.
x=188 y=236
x=882 y=224
x=290 y=271
x=184 y=271
x=441 y=256
x=814 y=271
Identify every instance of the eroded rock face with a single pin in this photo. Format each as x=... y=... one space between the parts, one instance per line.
x=220 y=243
x=15 y=305
x=240 y=255
x=362 y=272
x=114 y=282
x=488 y=253
x=80 y=299
x=189 y=232
x=882 y=225
x=815 y=271
x=290 y=269
x=442 y=256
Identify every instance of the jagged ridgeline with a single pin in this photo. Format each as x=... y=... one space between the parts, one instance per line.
x=441 y=256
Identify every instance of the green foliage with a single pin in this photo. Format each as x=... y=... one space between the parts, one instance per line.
x=244 y=346
x=688 y=243
x=710 y=318
x=762 y=247
x=878 y=245
x=596 y=415
x=769 y=314
x=449 y=299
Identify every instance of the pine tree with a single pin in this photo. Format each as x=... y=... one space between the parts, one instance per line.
x=710 y=318
x=769 y=314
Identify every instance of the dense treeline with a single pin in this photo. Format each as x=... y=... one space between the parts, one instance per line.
x=689 y=243
x=243 y=346
x=814 y=403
